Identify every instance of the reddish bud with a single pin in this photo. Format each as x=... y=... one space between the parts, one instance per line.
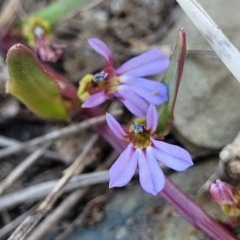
x=226 y=196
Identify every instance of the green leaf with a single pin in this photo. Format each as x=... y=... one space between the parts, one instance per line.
x=59 y=10
x=172 y=79
x=32 y=85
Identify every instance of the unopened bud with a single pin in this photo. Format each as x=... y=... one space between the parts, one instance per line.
x=226 y=196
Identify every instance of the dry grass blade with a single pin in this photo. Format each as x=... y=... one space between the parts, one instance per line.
x=8 y=142
x=57 y=214
x=80 y=218
x=69 y=202
x=41 y=190
x=226 y=51
x=7 y=229
x=21 y=168
x=30 y=222
x=56 y=134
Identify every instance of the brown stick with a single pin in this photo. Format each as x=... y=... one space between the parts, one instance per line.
x=21 y=168
x=7 y=229
x=41 y=190
x=57 y=214
x=56 y=134
x=9 y=142
x=31 y=221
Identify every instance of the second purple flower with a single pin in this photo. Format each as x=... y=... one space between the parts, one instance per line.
x=127 y=82
x=144 y=152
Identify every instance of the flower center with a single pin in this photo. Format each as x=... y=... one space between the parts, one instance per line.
x=139 y=136
x=106 y=82
x=138 y=128
x=99 y=77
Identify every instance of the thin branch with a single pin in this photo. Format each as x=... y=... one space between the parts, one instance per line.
x=31 y=221
x=225 y=50
x=56 y=134
x=57 y=214
x=77 y=221
x=41 y=190
x=7 y=229
x=21 y=168
x=9 y=142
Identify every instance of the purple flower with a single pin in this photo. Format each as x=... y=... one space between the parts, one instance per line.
x=127 y=82
x=144 y=152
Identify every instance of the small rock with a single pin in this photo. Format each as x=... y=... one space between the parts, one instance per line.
x=207 y=112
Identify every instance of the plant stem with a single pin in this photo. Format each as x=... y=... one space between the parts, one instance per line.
x=193 y=213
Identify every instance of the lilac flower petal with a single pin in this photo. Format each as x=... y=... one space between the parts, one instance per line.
x=152 y=118
x=147 y=84
x=149 y=63
x=172 y=156
x=124 y=168
x=102 y=49
x=115 y=126
x=150 y=174
x=95 y=100
x=157 y=97
x=133 y=102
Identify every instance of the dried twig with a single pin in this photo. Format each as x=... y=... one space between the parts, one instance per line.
x=226 y=51
x=21 y=168
x=30 y=222
x=7 y=229
x=41 y=190
x=80 y=218
x=9 y=142
x=57 y=214
x=56 y=134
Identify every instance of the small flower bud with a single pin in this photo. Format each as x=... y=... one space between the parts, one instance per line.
x=226 y=196
x=38 y=33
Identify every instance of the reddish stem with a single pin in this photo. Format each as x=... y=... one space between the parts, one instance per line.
x=193 y=213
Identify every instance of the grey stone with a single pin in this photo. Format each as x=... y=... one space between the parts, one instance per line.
x=207 y=112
